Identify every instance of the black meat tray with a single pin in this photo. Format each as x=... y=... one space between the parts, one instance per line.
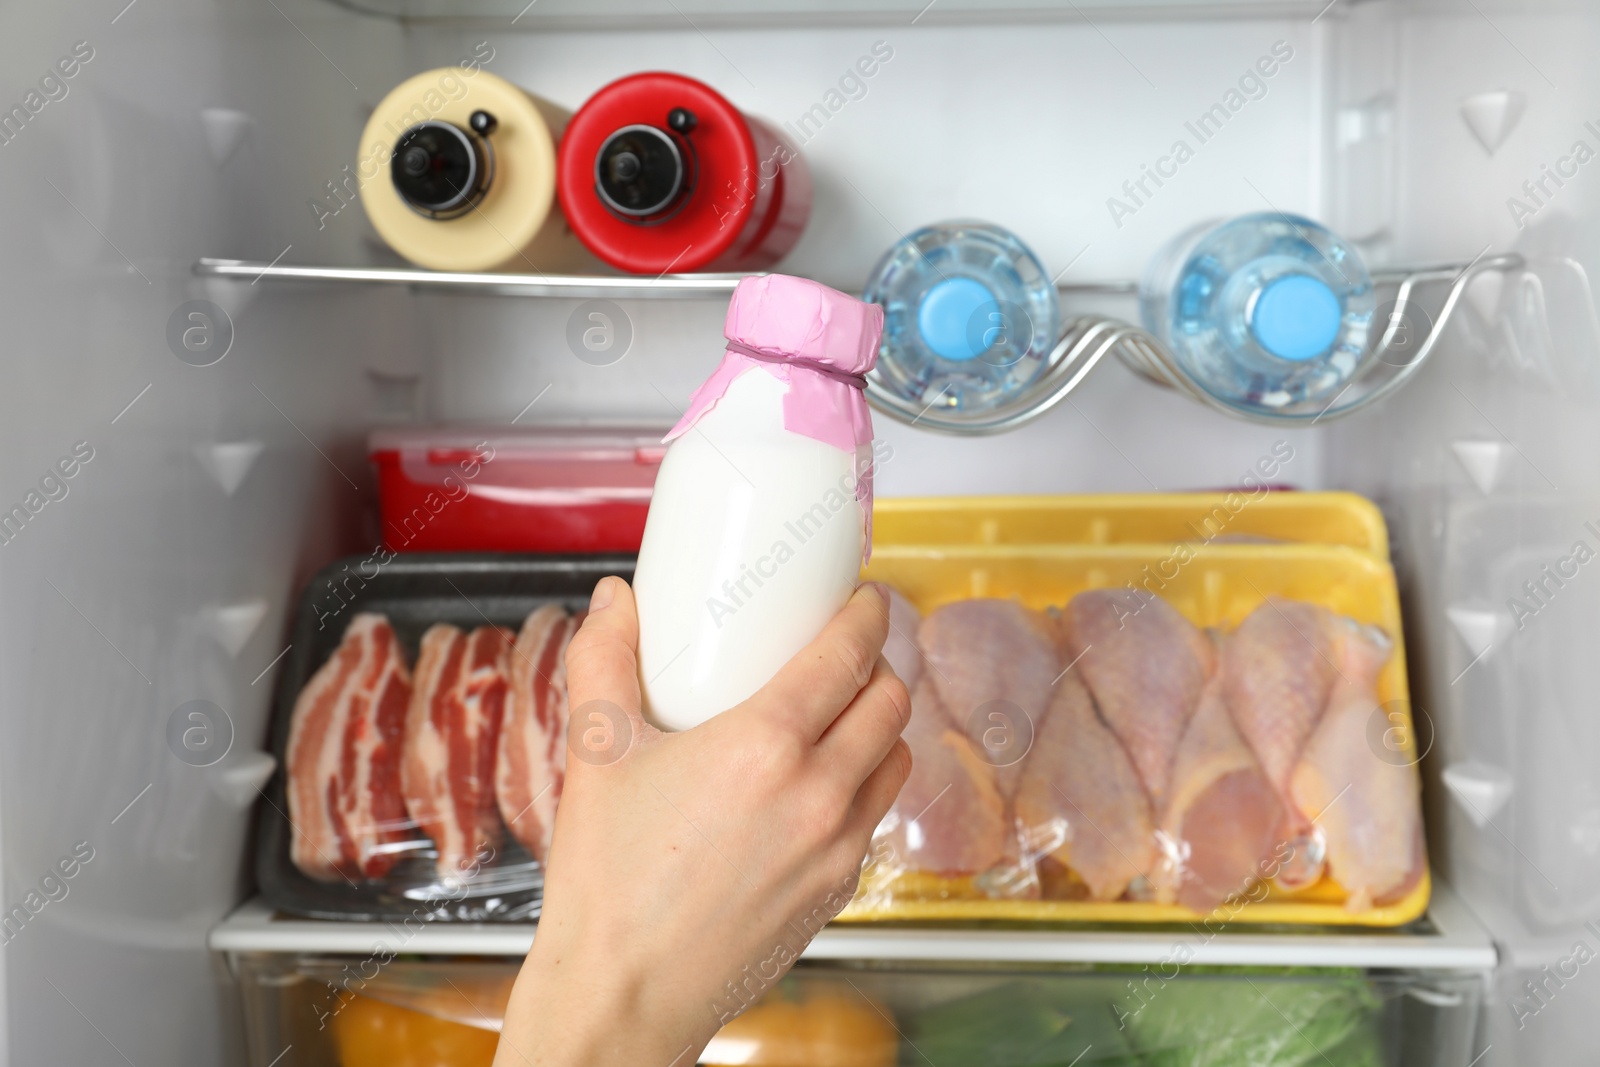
x=414 y=591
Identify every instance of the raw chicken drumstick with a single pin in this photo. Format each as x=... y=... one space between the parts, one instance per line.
x=1145 y=665
x=992 y=663
x=949 y=818
x=1277 y=670
x=900 y=649
x=1079 y=786
x=1222 y=816
x=1367 y=803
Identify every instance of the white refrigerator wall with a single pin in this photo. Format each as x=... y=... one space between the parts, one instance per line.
x=1486 y=469
x=163 y=570
x=159 y=573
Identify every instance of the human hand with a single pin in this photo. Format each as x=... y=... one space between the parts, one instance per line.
x=688 y=870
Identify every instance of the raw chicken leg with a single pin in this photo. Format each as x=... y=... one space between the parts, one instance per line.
x=992 y=663
x=1078 y=784
x=949 y=818
x=901 y=647
x=1145 y=665
x=1367 y=803
x=1277 y=670
x=1222 y=815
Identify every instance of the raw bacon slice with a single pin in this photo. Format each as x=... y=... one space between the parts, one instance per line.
x=452 y=726
x=533 y=739
x=345 y=741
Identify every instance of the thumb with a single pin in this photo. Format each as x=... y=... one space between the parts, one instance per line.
x=603 y=676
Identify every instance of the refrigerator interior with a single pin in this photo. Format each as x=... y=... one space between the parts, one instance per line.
x=164 y=570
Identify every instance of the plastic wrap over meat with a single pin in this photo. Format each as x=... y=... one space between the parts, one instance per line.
x=532 y=761
x=452 y=732
x=344 y=757
x=437 y=785
x=1107 y=749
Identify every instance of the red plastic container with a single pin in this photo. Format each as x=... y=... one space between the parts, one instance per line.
x=658 y=172
x=498 y=490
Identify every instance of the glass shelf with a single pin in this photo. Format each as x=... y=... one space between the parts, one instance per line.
x=622 y=286
x=1448 y=938
x=540 y=285
x=702 y=14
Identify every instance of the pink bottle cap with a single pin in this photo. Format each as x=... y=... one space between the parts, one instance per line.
x=816 y=340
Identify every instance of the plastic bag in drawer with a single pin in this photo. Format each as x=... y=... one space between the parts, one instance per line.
x=1197 y=1019
x=1097 y=755
x=411 y=1013
x=374 y=1033
x=806 y=1023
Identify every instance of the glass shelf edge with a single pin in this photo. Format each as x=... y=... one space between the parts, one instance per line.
x=541 y=285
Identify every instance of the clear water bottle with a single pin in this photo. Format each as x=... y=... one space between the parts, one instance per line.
x=1265 y=312
x=970 y=316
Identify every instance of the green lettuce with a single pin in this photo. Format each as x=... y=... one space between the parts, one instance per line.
x=1207 y=1020
x=1200 y=1019
x=1025 y=1023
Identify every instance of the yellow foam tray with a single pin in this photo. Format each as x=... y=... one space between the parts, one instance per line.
x=1213 y=585
x=1133 y=518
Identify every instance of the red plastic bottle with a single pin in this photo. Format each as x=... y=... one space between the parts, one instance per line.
x=659 y=173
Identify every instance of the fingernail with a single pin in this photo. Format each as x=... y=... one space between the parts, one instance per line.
x=602 y=595
x=882 y=591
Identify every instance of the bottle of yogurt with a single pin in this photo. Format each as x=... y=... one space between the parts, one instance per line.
x=761 y=515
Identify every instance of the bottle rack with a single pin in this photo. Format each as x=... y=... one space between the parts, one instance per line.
x=1085 y=340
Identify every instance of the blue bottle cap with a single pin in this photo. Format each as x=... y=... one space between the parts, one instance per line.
x=1296 y=317
x=954 y=318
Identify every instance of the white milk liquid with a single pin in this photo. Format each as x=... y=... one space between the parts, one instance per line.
x=753 y=543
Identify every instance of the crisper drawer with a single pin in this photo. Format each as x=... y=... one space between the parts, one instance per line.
x=363 y=1011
